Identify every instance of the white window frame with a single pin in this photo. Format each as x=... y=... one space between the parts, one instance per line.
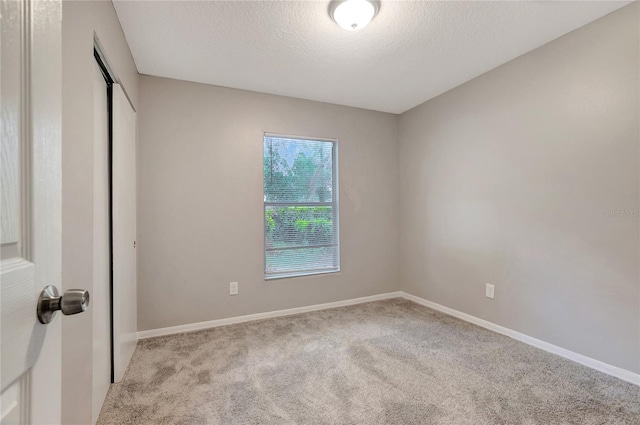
x=334 y=208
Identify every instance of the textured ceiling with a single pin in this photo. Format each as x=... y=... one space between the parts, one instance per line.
x=411 y=52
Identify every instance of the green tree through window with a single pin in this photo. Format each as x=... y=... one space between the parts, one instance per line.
x=301 y=206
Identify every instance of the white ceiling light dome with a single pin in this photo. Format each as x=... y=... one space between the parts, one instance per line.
x=353 y=15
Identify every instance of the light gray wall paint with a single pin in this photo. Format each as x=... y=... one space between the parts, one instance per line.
x=201 y=202
x=508 y=179
x=79 y=22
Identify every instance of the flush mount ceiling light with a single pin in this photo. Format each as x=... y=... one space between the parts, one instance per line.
x=353 y=15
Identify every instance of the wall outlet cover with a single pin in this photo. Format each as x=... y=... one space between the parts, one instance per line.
x=233 y=288
x=490 y=291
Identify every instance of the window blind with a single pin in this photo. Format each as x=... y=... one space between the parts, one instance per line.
x=300 y=206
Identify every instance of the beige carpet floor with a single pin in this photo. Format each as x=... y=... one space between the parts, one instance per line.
x=386 y=362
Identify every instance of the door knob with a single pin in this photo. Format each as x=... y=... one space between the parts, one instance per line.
x=73 y=301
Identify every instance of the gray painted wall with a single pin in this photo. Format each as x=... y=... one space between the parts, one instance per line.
x=80 y=20
x=510 y=179
x=522 y=177
x=201 y=202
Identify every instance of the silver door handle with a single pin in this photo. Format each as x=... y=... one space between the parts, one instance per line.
x=73 y=301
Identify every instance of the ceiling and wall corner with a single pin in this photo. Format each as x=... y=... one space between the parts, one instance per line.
x=528 y=178
x=411 y=52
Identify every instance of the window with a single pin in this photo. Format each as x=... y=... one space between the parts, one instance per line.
x=300 y=206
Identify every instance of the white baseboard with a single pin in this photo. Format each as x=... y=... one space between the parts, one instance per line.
x=623 y=374
x=259 y=316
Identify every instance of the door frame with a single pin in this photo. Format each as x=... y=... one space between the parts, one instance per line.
x=109 y=80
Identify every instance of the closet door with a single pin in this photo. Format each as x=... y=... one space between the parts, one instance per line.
x=124 y=232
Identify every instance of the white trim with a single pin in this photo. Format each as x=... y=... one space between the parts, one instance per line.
x=110 y=68
x=623 y=374
x=259 y=316
x=294 y=137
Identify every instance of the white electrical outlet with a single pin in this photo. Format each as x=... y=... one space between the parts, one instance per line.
x=233 y=288
x=490 y=291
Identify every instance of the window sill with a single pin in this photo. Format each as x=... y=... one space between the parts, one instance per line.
x=299 y=274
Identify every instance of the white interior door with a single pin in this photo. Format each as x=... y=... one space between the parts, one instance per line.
x=124 y=232
x=101 y=263
x=30 y=189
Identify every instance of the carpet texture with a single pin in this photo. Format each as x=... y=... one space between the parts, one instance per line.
x=385 y=362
